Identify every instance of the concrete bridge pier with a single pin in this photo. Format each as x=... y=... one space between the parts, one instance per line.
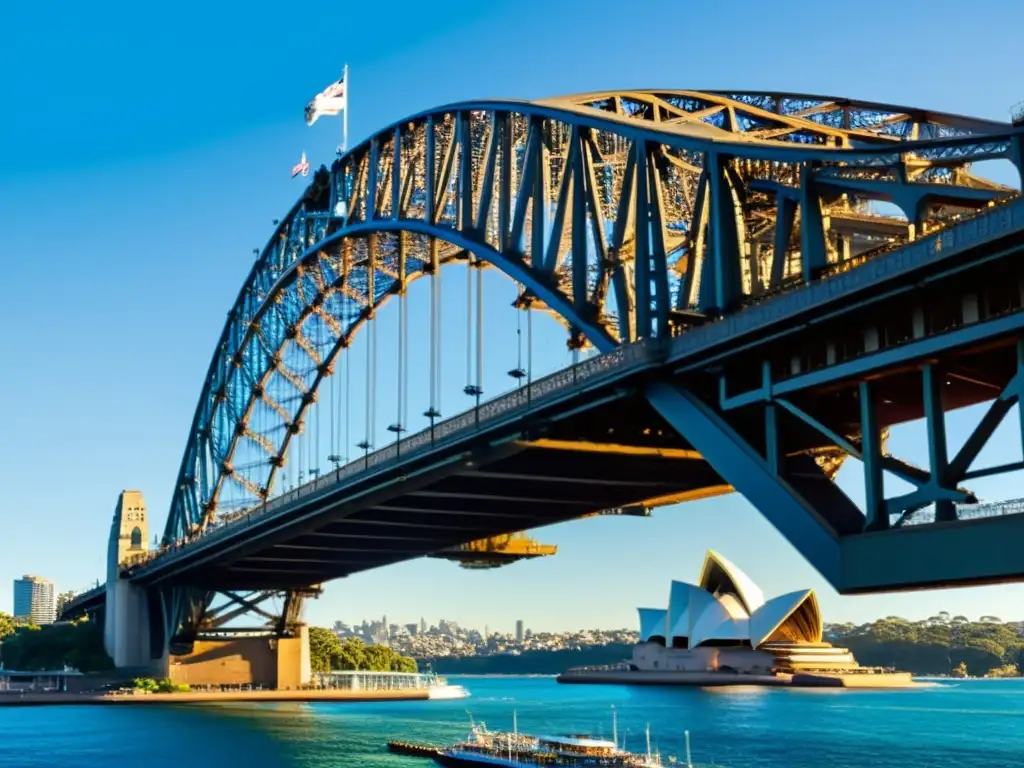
x=126 y=631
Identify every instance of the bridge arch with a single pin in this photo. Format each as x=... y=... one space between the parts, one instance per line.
x=629 y=214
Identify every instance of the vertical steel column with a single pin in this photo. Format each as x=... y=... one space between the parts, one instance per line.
x=429 y=161
x=871 y=454
x=463 y=135
x=396 y=174
x=483 y=212
x=725 y=245
x=785 y=216
x=505 y=181
x=580 y=287
x=540 y=195
x=565 y=184
x=642 y=259
x=938 y=457
x=371 y=181
x=659 y=262
x=813 y=250
x=625 y=297
x=697 y=250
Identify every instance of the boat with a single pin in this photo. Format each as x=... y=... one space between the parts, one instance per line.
x=413 y=750
x=447 y=691
x=499 y=749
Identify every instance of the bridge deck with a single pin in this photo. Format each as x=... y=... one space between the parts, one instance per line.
x=491 y=472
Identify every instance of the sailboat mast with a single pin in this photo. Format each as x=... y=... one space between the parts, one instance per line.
x=615 y=727
x=515 y=730
x=689 y=764
x=648 y=733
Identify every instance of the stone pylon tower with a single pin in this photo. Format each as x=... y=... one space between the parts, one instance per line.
x=129 y=530
x=126 y=630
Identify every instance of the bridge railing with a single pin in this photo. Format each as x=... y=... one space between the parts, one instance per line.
x=519 y=401
x=969 y=512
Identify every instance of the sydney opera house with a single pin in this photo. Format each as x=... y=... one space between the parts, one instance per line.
x=722 y=629
x=725 y=621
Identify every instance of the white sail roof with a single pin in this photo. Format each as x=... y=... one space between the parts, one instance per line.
x=718 y=575
x=700 y=603
x=728 y=606
x=791 y=617
x=679 y=610
x=652 y=623
x=724 y=619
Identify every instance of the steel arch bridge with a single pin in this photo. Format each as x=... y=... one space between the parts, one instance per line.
x=628 y=215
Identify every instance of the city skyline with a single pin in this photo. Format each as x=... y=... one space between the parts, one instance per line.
x=148 y=164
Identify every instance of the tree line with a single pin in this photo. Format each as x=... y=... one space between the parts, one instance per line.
x=27 y=647
x=936 y=646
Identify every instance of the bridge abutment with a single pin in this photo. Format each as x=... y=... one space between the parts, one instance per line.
x=281 y=663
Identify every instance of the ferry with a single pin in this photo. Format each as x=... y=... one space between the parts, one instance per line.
x=517 y=750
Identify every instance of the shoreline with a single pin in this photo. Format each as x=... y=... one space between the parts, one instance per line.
x=106 y=699
x=885 y=681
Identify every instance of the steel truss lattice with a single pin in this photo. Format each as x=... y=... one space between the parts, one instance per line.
x=628 y=215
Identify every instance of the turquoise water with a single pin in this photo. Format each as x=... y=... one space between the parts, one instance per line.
x=975 y=724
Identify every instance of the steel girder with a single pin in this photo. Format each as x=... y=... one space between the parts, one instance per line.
x=629 y=215
x=922 y=538
x=195 y=614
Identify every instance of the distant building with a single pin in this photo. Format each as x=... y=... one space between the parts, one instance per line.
x=34 y=600
x=520 y=634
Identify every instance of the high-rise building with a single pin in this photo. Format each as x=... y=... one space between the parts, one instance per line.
x=34 y=600
x=519 y=630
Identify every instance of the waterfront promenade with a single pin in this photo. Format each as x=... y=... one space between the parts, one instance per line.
x=27 y=699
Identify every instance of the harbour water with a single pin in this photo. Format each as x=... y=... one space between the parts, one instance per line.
x=955 y=724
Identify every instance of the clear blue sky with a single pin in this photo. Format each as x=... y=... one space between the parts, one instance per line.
x=145 y=149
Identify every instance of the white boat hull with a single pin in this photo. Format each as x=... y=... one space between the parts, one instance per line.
x=448 y=692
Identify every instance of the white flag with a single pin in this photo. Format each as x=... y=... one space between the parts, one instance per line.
x=330 y=101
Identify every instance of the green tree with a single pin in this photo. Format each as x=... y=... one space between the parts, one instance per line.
x=353 y=654
x=960 y=670
x=6 y=625
x=1007 y=670
x=404 y=664
x=324 y=649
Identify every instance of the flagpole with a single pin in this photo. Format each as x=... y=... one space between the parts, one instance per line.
x=344 y=118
